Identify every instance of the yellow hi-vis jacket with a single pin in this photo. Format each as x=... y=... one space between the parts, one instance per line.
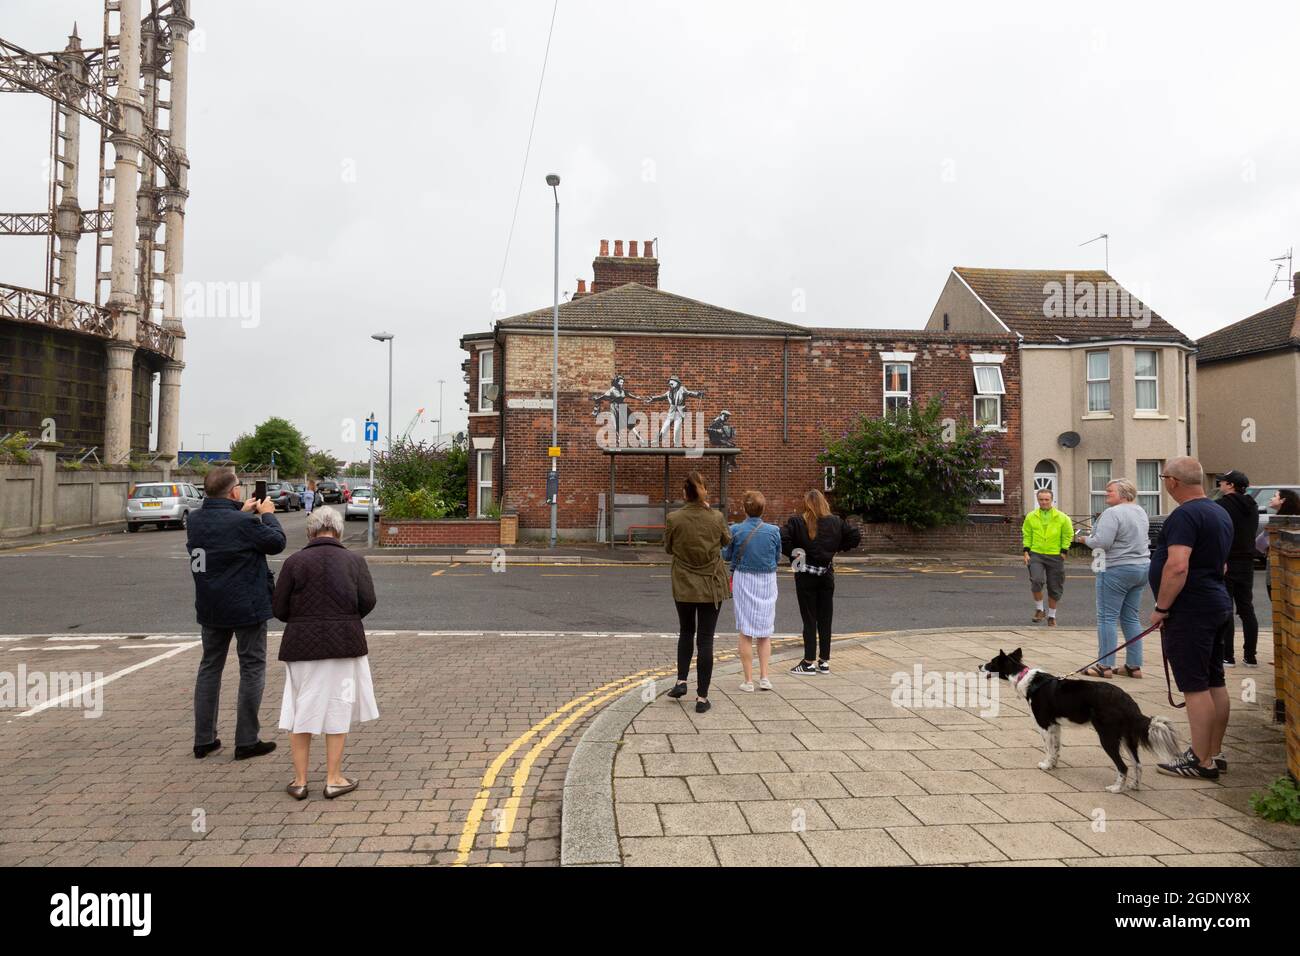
x=1047 y=532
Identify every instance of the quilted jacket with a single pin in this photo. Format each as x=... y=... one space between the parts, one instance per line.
x=323 y=593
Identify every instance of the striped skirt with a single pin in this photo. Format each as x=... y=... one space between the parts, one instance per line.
x=754 y=598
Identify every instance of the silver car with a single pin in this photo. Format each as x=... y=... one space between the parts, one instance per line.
x=165 y=504
x=358 y=505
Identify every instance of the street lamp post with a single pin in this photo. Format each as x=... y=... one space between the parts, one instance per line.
x=553 y=181
x=388 y=425
x=438 y=438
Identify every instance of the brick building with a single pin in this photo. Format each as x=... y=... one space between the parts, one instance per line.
x=785 y=386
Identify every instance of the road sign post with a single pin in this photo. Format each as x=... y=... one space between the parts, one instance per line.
x=372 y=436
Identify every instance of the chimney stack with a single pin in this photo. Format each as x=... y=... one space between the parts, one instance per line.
x=612 y=271
x=1295 y=283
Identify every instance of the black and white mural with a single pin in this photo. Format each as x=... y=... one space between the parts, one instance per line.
x=676 y=426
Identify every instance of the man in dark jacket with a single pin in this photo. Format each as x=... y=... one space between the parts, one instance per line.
x=228 y=541
x=1240 y=576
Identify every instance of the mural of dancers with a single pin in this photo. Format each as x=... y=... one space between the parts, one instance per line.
x=676 y=398
x=722 y=434
x=617 y=395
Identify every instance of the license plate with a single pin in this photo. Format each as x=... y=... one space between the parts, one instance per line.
x=151 y=504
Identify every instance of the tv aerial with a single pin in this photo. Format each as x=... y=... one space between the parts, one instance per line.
x=1278 y=274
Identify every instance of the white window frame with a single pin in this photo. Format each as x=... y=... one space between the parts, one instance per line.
x=995 y=393
x=1001 y=486
x=1090 y=381
x=1156 y=497
x=486 y=355
x=1096 y=494
x=483 y=483
x=888 y=394
x=1154 y=379
x=828 y=478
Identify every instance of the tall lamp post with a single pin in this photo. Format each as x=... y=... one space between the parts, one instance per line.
x=553 y=181
x=388 y=425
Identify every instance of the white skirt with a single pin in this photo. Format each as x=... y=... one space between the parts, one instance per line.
x=754 y=598
x=324 y=697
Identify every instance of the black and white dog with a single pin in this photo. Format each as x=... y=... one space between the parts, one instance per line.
x=1113 y=714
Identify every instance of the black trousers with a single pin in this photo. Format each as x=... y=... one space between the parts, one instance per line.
x=816 y=594
x=1240 y=581
x=698 y=622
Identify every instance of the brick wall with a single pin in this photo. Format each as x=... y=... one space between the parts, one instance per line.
x=1284 y=570
x=408 y=534
x=1001 y=538
x=834 y=377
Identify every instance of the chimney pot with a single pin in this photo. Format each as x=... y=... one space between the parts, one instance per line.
x=604 y=247
x=618 y=248
x=631 y=249
x=649 y=248
x=582 y=287
x=1295 y=283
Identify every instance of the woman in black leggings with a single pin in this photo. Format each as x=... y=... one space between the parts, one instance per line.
x=695 y=536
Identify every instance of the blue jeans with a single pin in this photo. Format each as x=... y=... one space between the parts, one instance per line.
x=1119 y=598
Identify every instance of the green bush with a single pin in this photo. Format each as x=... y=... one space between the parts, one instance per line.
x=416 y=480
x=14 y=448
x=910 y=467
x=1280 y=802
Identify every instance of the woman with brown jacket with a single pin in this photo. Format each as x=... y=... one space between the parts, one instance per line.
x=323 y=593
x=695 y=536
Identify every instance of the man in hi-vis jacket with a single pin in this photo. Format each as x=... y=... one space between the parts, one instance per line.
x=1046 y=534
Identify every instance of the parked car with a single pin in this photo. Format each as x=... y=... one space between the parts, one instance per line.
x=165 y=504
x=358 y=505
x=283 y=496
x=331 y=491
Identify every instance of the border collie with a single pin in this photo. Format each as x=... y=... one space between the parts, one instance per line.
x=1113 y=714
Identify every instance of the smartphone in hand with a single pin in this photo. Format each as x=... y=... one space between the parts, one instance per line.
x=259 y=490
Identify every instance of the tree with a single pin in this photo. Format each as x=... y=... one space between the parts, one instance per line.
x=321 y=463
x=274 y=434
x=911 y=467
x=416 y=480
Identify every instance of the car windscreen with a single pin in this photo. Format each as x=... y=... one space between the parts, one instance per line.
x=154 y=491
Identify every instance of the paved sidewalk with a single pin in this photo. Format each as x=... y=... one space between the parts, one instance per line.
x=829 y=771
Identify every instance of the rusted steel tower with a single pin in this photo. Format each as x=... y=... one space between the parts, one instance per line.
x=134 y=88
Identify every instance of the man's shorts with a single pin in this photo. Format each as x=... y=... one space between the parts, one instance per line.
x=1194 y=645
x=1047 y=569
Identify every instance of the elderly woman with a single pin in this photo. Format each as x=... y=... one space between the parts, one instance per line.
x=1120 y=533
x=695 y=536
x=753 y=554
x=323 y=593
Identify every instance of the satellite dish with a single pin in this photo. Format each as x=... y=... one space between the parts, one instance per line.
x=1068 y=439
x=492 y=392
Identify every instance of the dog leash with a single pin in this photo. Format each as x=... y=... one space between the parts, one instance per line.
x=1169 y=686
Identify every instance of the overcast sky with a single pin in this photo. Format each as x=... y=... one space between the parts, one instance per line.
x=359 y=169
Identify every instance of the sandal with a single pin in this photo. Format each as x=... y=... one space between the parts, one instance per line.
x=1097 y=671
x=1134 y=672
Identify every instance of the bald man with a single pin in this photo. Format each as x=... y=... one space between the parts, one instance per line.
x=1192 y=602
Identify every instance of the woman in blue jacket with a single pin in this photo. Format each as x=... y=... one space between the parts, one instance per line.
x=752 y=555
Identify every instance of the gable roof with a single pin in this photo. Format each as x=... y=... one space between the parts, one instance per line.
x=1021 y=297
x=636 y=308
x=1277 y=327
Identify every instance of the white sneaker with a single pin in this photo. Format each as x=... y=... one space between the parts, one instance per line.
x=747 y=687
x=764 y=684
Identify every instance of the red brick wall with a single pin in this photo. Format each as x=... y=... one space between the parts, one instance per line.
x=436 y=533
x=1004 y=538
x=834 y=377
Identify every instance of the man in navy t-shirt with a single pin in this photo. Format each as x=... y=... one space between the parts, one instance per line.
x=1192 y=601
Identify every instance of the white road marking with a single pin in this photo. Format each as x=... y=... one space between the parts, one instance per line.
x=82 y=637
x=60 y=647
x=106 y=680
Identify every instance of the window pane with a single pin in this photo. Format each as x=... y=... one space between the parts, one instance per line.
x=1150 y=504
x=1098 y=476
x=1146 y=395
x=1146 y=362
x=988 y=411
x=1098 y=365
x=898 y=378
x=1148 y=476
x=1099 y=396
x=895 y=404
x=988 y=380
x=485 y=366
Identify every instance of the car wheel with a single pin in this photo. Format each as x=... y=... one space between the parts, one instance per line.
x=133 y=528
x=185 y=520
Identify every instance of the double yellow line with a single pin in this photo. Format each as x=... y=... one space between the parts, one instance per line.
x=562 y=718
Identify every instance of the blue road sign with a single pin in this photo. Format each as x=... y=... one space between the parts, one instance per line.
x=372 y=431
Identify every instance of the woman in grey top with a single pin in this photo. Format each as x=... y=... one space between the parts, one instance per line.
x=1121 y=558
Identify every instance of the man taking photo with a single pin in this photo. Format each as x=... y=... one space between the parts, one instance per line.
x=228 y=540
